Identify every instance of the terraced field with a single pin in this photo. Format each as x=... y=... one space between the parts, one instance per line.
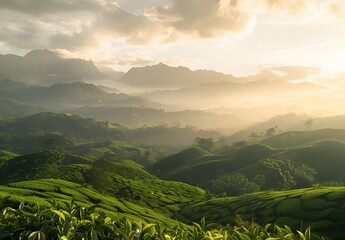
x=124 y=189
x=321 y=208
x=42 y=191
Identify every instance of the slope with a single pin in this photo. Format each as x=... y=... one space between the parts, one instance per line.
x=124 y=179
x=42 y=191
x=63 y=96
x=41 y=66
x=203 y=167
x=296 y=138
x=162 y=76
x=321 y=208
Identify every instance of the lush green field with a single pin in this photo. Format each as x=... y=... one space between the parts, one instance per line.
x=72 y=221
x=261 y=167
x=321 y=208
x=44 y=190
x=297 y=138
x=96 y=173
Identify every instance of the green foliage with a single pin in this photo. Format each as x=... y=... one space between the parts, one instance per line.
x=207 y=144
x=29 y=221
x=321 y=208
x=278 y=173
x=299 y=138
x=236 y=184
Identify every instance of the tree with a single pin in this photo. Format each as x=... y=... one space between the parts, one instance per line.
x=270 y=132
x=236 y=184
x=254 y=136
x=309 y=123
x=100 y=174
x=205 y=143
x=242 y=143
x=304 y=176
x=278 y=173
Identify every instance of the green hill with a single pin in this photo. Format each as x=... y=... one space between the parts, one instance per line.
x=296 y=138
x=201 y=169
x=321 y=208
x=327 y=157
x=65 y=124
x=124 y=179
x=4 y=156
x=125 y=189
x=257 y=167
x=64 y=131
x=41 y=191
x=179 y=160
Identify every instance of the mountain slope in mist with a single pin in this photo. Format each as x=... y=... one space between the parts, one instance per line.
x=162 y=76
x=66 y=96
x=234 y=94
x=47 y=67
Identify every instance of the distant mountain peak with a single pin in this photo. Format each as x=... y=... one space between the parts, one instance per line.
x=41 y=53
x=162 y=76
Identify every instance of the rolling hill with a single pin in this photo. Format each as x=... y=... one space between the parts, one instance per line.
x=258 y=166
x=139 y=196
x=47 y=67
x=320 y=208
x=296 y=138
x=230 y=94
x=162 y=76
x=139 y=116
x=66 y=96
x=30 y=134
x=125 y=180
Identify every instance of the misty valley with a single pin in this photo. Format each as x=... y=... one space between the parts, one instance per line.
x=161 y=152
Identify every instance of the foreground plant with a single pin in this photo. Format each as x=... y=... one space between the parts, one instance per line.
x=72 y=222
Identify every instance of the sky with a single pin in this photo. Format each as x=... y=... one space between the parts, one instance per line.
x=236 y=37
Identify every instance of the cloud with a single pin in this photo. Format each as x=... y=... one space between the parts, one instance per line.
x=335 y=10
x=287 y=73
x=85 y=23
x=292 y=6
x=127 y=60
x=202 y=18
x=23 y=33
x=39 y=7
x=295 y=72
x=136 y=29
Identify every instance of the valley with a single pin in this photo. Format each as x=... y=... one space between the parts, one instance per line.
x=137 y=155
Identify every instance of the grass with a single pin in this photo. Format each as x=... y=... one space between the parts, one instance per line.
x=34 y=192
x=298 y=138
x=316 y=207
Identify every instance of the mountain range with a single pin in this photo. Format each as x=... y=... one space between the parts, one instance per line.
x=46 y=67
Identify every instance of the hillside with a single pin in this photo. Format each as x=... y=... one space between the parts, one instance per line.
x=282 y=123
x=42 y=191
x=66 y=131
x=162 y=76
x=139 y=116
x=47 y=67
x=202 y=168
x=125 y=180
x=65 y=124
x=321 y=208
x=66 y=96
x=240 y=170
x=325 y=156
x=135 y=194
x=296 y=138
x=230 y=94
x=15 y=109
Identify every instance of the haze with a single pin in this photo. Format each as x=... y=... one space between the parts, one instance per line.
x=251 y=60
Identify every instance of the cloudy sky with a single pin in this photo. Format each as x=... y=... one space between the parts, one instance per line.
x=232 y=36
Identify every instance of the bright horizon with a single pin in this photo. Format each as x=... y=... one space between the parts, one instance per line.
x=235 y=37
